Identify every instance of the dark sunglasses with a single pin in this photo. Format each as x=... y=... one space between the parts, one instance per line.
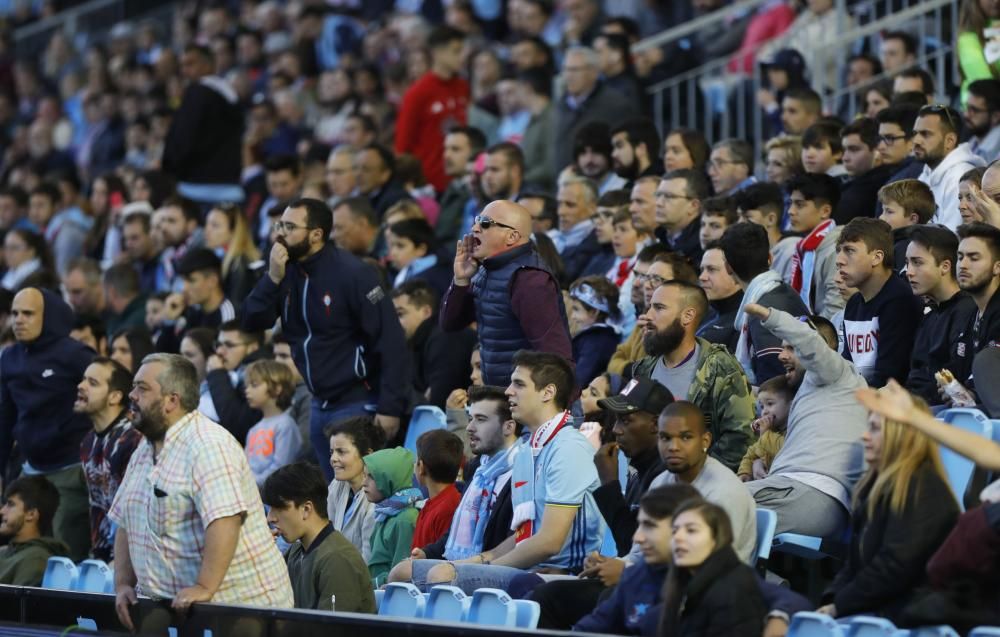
x=486 y=223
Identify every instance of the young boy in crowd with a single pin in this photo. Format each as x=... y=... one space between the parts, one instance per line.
x=859 y=197
x=626 y=241
x=906 y=204
x=880 y=321
x=717 y=214
x=593 y=305
x=26 y=526
x=774 y=399
x=633 y=606
x=412 y=255
x=326 y=570
x=822 y=150
x=439 y=458
x=812 y=200
x=276 y=440
x=389 y=486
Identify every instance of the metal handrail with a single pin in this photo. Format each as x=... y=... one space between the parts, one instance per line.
x=64 y=17
x=695 y=25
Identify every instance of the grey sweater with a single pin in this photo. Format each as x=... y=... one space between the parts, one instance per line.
x=825 y=421
x=359 y=528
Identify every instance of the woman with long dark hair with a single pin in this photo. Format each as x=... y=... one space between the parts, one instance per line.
x=709 y=592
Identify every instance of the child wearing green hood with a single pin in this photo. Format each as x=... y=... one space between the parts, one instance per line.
x=389 y=486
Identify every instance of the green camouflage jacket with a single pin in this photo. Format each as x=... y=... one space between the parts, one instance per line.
x=721 y=390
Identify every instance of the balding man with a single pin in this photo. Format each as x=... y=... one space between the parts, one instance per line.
x=502 y=284
x=40 y=373
x=693 y=369
x=586 y=100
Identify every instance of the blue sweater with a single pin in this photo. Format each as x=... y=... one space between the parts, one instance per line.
x=343 y=331
x=37 y=390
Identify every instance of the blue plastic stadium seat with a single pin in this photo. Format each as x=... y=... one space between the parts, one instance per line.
x=425 y=418
x=934 y=631
x=402 y=600
x=61 y=573
x=528 y=612
x=985 y=631
x=865 y=626
x=447 y=603
x=492 y=607
x=959 y=468
x=767 y=521
x=814 y=625
x=95 y=576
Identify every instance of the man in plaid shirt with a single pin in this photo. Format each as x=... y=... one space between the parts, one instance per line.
x=191 y=524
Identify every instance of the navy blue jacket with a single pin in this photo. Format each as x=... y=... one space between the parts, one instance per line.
x=342 y=328
x=592 y=351
x=39 y=382
x=634 y=606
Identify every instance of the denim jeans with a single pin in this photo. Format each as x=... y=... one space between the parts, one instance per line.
x=321 y=416
x=469 y=576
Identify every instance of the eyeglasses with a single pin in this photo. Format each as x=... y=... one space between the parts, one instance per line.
x=975 y=110
x=655 y=279
x=719 y=163
x=287 y=227
x=889 y=140
x=486 y=223
x=669 y=196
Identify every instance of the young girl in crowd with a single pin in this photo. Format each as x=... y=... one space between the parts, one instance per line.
x=389 y=487
x=197 y=346
x=350 y=511
x=709 y=592
x=774 y=399
x=685 y=148
x=275 y=440
x=594 y=303
x=903 y=510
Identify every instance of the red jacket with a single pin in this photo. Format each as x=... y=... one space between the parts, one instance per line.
x=434 y=520
x=430 y=107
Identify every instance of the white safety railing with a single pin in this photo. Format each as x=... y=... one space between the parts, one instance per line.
x=722 y=104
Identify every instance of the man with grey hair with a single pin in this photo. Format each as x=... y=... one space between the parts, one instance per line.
x=340 y=175
x=577 y=202
x=585 y=99
x=730 y=166
x=200 y=535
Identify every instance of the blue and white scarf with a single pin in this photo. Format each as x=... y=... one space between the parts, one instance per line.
x=468 y=526
x=397 y=503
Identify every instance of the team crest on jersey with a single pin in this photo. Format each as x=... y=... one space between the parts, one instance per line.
x=961 y=350
x=327 y=302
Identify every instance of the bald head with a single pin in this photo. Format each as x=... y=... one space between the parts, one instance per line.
x=991 y=180
x=27 y=312
x=512 y=214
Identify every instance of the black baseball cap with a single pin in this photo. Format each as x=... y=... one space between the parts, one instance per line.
x=639 y=394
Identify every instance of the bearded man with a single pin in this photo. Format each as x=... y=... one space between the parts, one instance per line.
x=696 y=370
x=342 y=328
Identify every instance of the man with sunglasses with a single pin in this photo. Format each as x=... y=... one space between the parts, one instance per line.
x=935 y=142
x=341 y=325
x=982 y=117
x=502 y=284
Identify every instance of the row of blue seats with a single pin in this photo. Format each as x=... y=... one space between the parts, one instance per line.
x=90 y=576
x=486 y=606
x=819 y=625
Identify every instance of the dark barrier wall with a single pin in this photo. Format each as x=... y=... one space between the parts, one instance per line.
x=60 y=609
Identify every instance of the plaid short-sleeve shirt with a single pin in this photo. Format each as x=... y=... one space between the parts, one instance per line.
x=201 y=475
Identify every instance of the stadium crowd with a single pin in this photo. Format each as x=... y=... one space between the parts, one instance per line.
x=241 y=252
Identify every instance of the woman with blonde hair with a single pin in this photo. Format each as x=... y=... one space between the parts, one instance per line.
x=227 y=233
x=783 y=158
x=903 y=509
